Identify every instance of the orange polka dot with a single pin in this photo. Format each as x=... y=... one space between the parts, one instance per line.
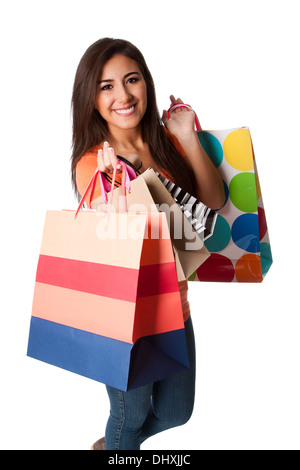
x=248 y=268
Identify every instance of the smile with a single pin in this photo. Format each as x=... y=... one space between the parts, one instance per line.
x=125 y=111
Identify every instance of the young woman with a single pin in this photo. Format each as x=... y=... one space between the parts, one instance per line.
x=115 y=113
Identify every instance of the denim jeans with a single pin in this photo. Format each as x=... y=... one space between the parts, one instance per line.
x=140 y=413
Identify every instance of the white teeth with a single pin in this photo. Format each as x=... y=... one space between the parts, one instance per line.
x=124 y=111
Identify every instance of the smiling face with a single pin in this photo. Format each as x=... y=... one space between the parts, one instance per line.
x=122 y=94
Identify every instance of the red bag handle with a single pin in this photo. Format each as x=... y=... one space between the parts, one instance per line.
x=182 y=105
x=128 y=174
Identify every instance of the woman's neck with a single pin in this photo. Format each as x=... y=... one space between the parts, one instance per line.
x=129 y=144
x=126 y=139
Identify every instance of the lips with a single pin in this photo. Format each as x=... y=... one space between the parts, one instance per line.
x=125 y=111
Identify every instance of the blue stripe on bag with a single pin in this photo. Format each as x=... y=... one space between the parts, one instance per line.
x=158 y=357
x=115 y=363
x=87 y=354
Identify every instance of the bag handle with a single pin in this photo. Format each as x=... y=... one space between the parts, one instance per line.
x=125 y=184
x=182 y=105
x=128 y=174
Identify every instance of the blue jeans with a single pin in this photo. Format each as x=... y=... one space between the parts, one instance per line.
x=142 y=412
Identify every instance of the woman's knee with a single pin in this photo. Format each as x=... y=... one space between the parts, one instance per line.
x=130 y=408
x=178 y=417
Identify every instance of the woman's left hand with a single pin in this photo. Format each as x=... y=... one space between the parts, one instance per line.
x=209 y=184
x=182 y=120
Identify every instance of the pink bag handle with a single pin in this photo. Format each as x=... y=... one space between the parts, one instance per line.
x=182 y=105
x=128 y=174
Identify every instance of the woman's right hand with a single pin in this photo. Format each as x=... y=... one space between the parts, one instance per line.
x=107 y=159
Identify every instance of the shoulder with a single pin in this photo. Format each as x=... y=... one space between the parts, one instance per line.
x=85 y=168
x=91 y=153
x=88 y=159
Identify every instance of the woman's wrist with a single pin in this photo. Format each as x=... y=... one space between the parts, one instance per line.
x=187 y=140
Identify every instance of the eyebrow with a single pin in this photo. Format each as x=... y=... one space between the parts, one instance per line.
x=125 y=76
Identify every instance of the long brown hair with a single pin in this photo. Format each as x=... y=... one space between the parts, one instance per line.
x=90 y=129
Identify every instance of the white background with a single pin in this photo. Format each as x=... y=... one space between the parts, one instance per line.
x=236 y=62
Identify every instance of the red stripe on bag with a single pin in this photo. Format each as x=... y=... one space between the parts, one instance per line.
x=108 y=281
x=157 y=279
x=100 y=279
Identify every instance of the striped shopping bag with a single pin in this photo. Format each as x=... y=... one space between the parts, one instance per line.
x=106 y=302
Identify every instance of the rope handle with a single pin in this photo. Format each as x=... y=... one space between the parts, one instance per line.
x=182 y=105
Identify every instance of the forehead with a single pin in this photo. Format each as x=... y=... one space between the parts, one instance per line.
x=118 y=66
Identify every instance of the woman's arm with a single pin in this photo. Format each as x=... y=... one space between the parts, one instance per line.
x=210 y=188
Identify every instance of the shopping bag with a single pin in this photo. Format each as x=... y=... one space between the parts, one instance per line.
x=106 y=301
x=240 y=246
x=148 y=193
x=201 y=217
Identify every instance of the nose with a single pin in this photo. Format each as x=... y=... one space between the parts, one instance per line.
x=122 y=94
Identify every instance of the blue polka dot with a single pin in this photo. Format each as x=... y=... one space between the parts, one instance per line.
x=212 y=147
x=245 y=233
x=226 y=190
x=221 y=236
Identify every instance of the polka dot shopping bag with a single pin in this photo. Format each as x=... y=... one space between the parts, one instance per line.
x=239 y=246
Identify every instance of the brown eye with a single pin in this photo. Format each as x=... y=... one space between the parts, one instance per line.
x=106 y=87
x=132 y=80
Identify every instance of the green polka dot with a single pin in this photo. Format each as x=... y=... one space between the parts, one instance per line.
x=192 y=277
x=242 y=192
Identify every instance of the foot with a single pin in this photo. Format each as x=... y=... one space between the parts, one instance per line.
x=99 y=445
